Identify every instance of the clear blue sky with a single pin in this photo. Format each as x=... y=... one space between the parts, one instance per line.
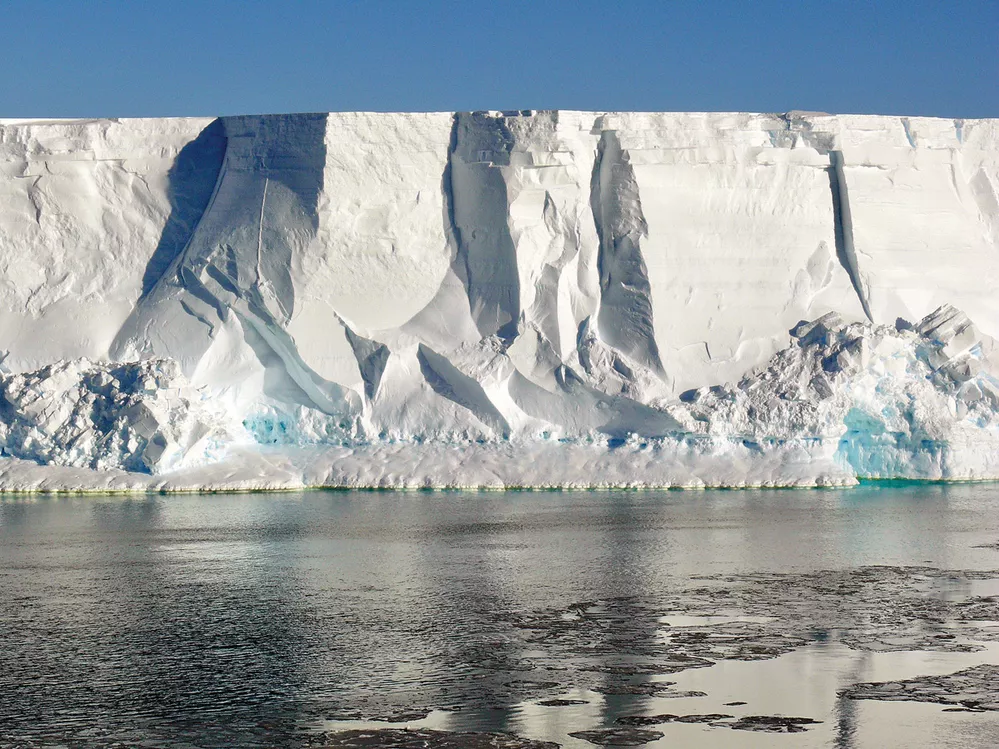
x=65 y=58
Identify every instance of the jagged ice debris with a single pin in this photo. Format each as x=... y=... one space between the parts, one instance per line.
x=896 y=400
x=135 y=416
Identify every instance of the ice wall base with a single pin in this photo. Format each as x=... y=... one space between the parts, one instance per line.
x=844 y=401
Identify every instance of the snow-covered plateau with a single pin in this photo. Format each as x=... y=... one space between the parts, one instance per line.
x=529 y=299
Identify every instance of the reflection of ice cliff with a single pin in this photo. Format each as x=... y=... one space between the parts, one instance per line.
x=550 y=284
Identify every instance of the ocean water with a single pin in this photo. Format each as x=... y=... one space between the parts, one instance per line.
x=285 y=619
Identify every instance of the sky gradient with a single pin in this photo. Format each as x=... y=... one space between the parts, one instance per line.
x=176 y=57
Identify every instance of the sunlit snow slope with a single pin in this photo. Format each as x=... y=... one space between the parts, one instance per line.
x=497 y=299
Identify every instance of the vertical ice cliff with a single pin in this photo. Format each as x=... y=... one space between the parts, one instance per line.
x=356 y=279
x=90 y=212
x=235 y=274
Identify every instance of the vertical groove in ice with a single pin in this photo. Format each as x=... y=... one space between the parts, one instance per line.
x=624 y=318
x=845 y=249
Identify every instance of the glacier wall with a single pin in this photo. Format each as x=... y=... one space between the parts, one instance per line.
x=361 y=280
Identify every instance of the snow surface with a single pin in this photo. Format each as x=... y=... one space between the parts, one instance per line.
x=497 y=299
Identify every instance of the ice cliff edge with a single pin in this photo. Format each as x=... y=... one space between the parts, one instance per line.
x=543 y=282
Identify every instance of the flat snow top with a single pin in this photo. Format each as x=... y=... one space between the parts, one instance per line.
x=8 y=121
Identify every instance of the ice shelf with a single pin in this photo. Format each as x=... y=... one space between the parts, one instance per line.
x=531 y=298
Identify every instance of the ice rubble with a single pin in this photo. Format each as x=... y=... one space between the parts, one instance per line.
x=895 y=400
x=135 y=416
x=498 y=299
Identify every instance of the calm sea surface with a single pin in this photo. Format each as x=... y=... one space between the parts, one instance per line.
x=278 y=619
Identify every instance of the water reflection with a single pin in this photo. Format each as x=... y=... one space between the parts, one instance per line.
x=213 y=620
x=846 y=709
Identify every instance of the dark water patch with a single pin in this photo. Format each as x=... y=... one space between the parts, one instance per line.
x=404 y=716
x=772 y=724
x=646 y=720
x=978 y=608
x=423 y=738
x=649 y=689
x=973 y=689
x=876 y=608
x=701 y=718
x=618 y=736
